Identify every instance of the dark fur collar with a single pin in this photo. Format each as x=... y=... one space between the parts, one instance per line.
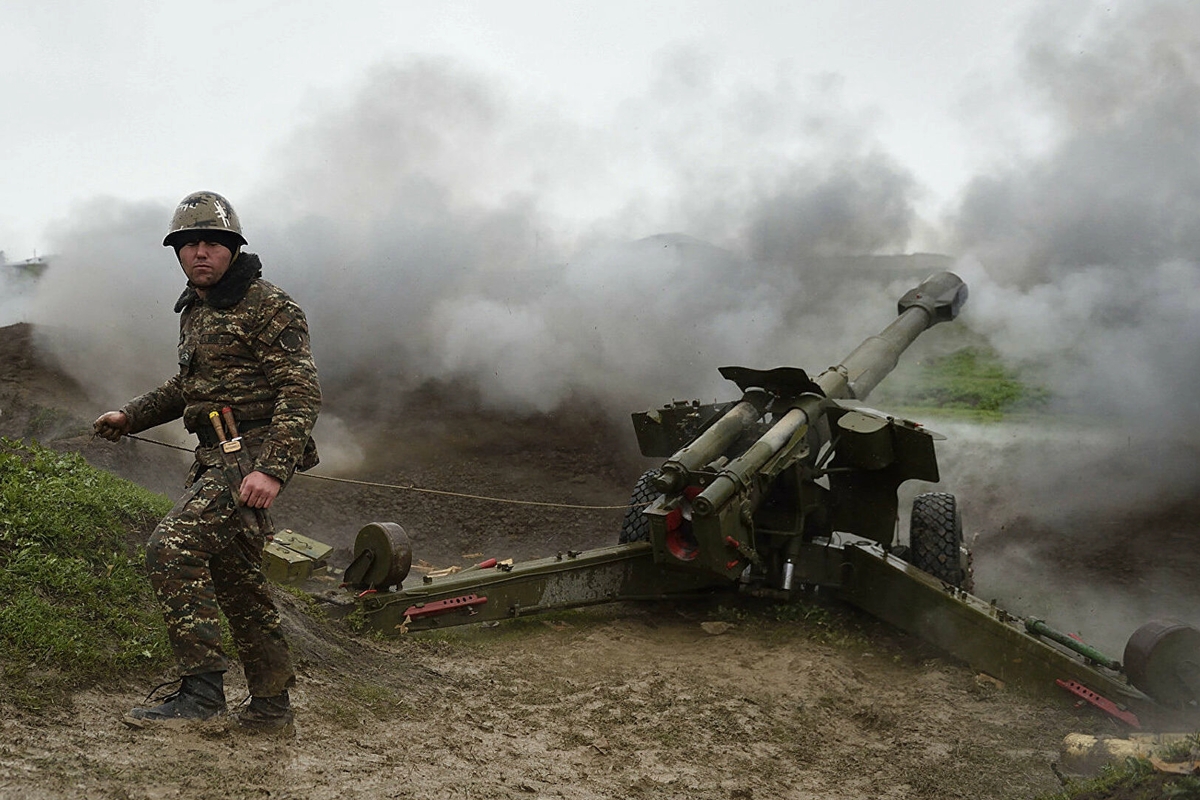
x=230 y=290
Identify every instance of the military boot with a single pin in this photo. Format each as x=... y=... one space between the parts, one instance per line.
x=267 y=714
x=198 y=697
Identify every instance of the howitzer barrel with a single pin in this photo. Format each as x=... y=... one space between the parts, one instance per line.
x=938 y=299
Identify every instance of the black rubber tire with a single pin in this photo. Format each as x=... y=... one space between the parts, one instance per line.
x=935 y=540
x=635 y=527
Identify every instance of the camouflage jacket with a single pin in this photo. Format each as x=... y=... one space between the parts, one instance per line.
x=245 y=345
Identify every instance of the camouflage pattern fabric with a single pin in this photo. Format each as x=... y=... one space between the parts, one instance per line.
x=201 y=557
x=244 y=345
x=253 y=356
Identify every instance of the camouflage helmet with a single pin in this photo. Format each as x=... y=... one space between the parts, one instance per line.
x=205 y=211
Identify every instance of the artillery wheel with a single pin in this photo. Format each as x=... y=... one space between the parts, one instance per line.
x=1162 y=658
x=635 y=527
x=382 y=557
x=935 y=540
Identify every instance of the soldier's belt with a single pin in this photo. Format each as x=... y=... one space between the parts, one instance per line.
x=235 y=465
x=208 y=437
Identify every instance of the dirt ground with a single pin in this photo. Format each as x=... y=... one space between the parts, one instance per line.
x=663 y=701
x=622 y=702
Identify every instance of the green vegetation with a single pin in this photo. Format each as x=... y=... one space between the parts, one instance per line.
x=971 y=379
x=1186 y=749
x=76 y=604
x=1136 y=779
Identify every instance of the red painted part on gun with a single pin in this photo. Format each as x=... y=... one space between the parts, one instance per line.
x=444 y=606
x=1099 y=701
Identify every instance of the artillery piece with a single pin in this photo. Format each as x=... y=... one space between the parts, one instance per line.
x=794 y=486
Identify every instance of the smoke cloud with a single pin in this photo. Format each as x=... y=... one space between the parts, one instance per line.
x=104 y=307
x=1084 y=271
x=1083 y=261
x=15 y=291
x=433 y=227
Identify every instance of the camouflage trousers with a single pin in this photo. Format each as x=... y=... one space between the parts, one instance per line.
x=202 y=558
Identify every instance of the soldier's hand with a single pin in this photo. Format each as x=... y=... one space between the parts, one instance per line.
x=259 y=489
x=111 y=425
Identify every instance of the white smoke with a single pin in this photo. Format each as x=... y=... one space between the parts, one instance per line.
x=103 y=308
x=1084 y=265
x=15 y=293
x=1084 y=261
x=418 y=222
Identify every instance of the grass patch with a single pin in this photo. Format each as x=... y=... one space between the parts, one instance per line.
x=1136 y=779
x=77 y=606
x=971 y=379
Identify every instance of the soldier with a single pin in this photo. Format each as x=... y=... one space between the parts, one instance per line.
x=243 y=344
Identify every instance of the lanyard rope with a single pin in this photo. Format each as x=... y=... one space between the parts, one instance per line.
x=411 y=488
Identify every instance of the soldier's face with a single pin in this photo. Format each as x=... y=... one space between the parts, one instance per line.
x=204 y=263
